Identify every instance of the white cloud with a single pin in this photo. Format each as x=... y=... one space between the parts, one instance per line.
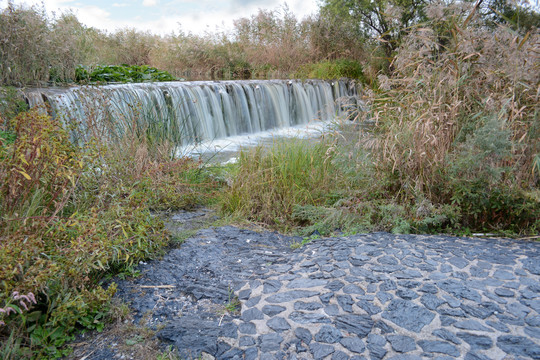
x=149 y=2
x=120 y=4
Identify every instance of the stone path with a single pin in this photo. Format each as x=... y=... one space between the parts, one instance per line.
x=370 y=296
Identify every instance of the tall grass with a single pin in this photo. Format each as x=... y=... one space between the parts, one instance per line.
x=458 y=120
x=36 y=49
x=271 y=182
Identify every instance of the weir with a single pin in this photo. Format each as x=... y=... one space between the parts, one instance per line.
x=194 y=112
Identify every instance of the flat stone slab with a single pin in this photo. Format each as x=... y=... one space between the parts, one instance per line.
x=372 y=296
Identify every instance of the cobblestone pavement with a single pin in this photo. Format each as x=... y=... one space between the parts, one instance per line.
x=369 y=296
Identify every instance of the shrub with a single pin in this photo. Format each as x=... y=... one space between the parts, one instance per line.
x=68 y=216
x=456 y=121
x=329 y=70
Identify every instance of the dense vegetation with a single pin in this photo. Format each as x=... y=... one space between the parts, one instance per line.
x=453 y=146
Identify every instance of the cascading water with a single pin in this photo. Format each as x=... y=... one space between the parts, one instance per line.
x=193 y=112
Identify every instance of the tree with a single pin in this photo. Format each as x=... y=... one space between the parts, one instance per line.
x=385 y=20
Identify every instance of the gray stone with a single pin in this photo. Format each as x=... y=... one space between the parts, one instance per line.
x=325 y=298
x=251 y=354
x=533 y=320
x=360 y=325
x=431 y=301
x=458 y=262
x=498 y=326
x=384 y=296
x=447 y=335
x=247 y=328
x=328 y=334
x=253 y=301
x=340 y=355
x=246 y=341
x=429 y=288
x=272 y=310
x=388 y=285
x=532 y=265
x=353 y=289
x=384 y=327
x=291 y=295
x=481 y=342
x=518 y=310
x=504 y=292
x=387 y=260
x=278 y=324
x=308 y=318
x=303 y=334
x=438 y=347
x=353 y=344
x=471 y=325
x=474 y=356
x=270 y=342
x=252 y=314
x=310 y=306
x=303 y=283
x=375 y=345
x=482 y=311
x=271 y=286
x=368 y=307
x=503 y=275
x=334 y=285
x=401 y=343
x=519 y=346
x=408 y=315
x=244 y=294
x=532 y=332
x=457 y=289
x=332 y=310
x=407 y=294
x=320 y=351
x=346 y=302
x=229 y=330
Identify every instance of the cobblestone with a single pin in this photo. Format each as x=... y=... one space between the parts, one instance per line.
x=374 y=296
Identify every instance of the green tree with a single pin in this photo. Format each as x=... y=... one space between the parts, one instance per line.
x=385 y=20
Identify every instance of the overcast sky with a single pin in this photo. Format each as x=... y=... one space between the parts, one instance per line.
x=164 y=16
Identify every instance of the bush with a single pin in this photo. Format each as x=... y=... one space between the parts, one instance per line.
x=456 y=122
x=329 y=70
x=121 y=73
x=68 y=216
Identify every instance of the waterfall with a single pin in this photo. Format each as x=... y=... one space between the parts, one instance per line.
x=193 y=112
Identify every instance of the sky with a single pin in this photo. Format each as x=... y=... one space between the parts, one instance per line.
x=164 y=16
